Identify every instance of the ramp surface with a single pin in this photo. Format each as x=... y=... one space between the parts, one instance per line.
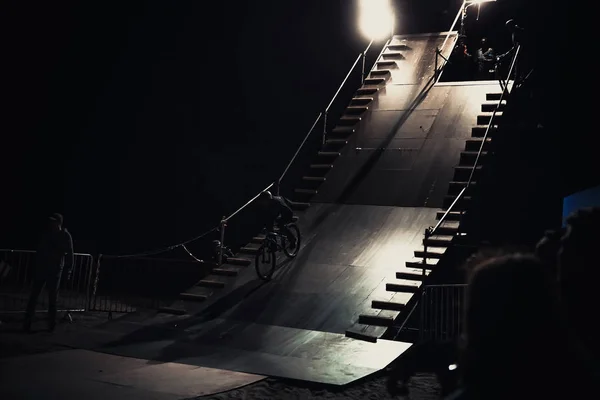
x=408 y=142
x=294 y=326
x=78 y=374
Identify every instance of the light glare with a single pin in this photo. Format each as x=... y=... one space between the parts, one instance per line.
x=376 y=19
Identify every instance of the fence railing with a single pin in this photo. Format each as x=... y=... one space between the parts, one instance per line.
x=442 y=312
x=17 y=273
x=106 y=283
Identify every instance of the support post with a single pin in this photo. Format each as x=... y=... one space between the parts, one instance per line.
x=435 y=71
x=324 y=127
x=422 y=318
x=222 y=245
x=362 y=75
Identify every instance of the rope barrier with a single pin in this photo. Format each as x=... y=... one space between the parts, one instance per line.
x=190 y=254
x=168 y=248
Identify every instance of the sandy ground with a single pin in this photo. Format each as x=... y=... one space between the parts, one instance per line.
x=421 y=387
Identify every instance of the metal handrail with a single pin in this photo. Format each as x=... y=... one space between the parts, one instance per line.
x=348 y=75
x=460 y=11
x=298 y=150
x=324 y=113
x=438 y=51
x=431 y=232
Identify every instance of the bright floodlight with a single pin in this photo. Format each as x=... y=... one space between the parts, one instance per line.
x=478 y=1
x=376 y=19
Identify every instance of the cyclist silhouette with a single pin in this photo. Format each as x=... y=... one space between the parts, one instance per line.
x=276 y=210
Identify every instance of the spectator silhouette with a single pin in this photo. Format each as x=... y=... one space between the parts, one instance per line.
x=579 y=274
x=513 y=333
x=547 y=250
x=485 y=61
x=54 y=251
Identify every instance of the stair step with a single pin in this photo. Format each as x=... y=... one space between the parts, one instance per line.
x=350 y=120
x=387 y=305
x=210 y=283
x=439 y=240
x=463 y=204
x=392 y=54
x=193 y=297
x=367 y=91
x=249 y=249
x=306 y=191
x=360 y=334
x=448 y=228
x=386 y=63
x=398 y=47
x=258 y=239
x=321 y=166
x=299 y=205
x=380 y=72
x=493 y=96
x=433 y=253
x=401 y=287
x=475 y=144
x=452 y=215
x=408 y=276
x=377 y=320
x=239 y=261
x=343 y=130
x=455 y=187
x=314 y=178
x=479 y=131
x=172 y=311
x=374 y=81
x=463 y=172
x=417 y=262
x=361 y=101
x=225 y=272
x=469 y=157
x=329 y=154
x=492 y=105
x=355 y=110
x=337 y=142
x=484 y=119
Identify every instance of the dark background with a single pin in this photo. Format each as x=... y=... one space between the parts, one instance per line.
x=144 y=122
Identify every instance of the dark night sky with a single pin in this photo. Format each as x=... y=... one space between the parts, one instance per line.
x=143 y=122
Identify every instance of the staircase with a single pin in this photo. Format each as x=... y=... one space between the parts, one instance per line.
x=222 y=277
x=409 y=279
x=348 y=124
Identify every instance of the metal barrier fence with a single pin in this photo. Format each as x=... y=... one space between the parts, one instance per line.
x=17 y=268
x=107 y=283
x=442 y=317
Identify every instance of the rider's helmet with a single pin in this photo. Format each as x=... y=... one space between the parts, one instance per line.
x=265 y=196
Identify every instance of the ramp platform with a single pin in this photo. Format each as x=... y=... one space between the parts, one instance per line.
x=293 y=326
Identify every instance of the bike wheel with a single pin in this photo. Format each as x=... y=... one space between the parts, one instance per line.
x=265 y=262
x=289 y=251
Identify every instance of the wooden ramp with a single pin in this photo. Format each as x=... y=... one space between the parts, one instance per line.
x=294 y=326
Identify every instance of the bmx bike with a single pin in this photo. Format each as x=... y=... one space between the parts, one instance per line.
x=266 y=256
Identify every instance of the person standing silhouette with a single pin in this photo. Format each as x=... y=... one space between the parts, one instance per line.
x=54 y=252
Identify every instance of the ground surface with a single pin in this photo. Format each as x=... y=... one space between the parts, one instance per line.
x=13 y=343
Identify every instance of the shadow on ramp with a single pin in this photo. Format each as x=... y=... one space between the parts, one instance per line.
x=371 y=162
